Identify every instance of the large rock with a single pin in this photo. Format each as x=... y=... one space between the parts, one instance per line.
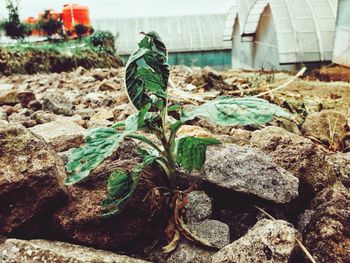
x=35 y=251
x=328 y=126
x=268 y=241
x=296 y=154
x=248 y=170
x=63 y=135
x=31 y=177
x=340 y=162
x=140 y=221
x=199 y=207
x=327 y=234
x=57 y=103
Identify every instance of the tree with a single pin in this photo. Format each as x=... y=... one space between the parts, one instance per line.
x=12 y=26
x=50 y=25
x=81 y=30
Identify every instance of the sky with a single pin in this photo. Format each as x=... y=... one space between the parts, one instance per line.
x=126 y=8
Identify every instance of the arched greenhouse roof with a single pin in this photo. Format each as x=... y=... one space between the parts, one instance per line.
x=305 y=29
x=181 y=34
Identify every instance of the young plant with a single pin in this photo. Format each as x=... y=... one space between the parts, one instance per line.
x=146 y=79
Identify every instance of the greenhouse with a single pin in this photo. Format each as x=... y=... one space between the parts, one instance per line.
x=191 y=40
x=342 y=36
x=274 y=34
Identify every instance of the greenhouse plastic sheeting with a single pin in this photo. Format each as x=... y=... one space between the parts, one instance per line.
x=180 y=34
x=342 y=39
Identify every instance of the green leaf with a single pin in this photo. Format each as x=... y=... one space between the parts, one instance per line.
x=175 y=107
x=143 y=82
x=120 y=188
x=99 y=145
x=229 y=111
x=191 y=152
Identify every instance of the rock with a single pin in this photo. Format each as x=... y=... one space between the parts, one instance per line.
x=22 y=119
x=95 y=97
x=31 y=177
x=326 y=236
x=62 y=135
x=248 y=170
x=102 y=115
x=107 y=85
x=328 y=126
x=193 y=131
x=199 y=207
x=190 y=253
x=3 y=115
x=34 y=251
x=216 y=232
x=57 y=103
x=340 y=162
x=100 y=74
x=42 y=117
x=8 y=94
x=238 y=222
x=35 y=105
x=268 y=241
x=296 y=154
x=138 y=224
x=25 y=98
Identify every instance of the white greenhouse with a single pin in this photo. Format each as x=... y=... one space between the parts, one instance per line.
x=281 y=34
x=191 y=40
x=342 y=37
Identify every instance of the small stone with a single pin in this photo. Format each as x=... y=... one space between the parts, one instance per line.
x=63 y=135
x=35 y=105
x=190 y=253
x=107 y=85
x=8 y=94
x=216 y=232
x=199 y=207
x=25 y=98
x=57 y=103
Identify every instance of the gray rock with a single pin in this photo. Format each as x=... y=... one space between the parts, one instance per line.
x=57 y=103
x=216 y=232
x=190 y=253
x=248 y=170
x=31 y=177
x=298 y=155
x=340 y=162
x=199 y=207
x=62 y=134
x=34 y=251
x=268 y=241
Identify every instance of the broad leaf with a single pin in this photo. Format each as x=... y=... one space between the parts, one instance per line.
x=229 y=111
x=121 y=186
x=191 y=152
x=99 y=145
x=147 y=73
